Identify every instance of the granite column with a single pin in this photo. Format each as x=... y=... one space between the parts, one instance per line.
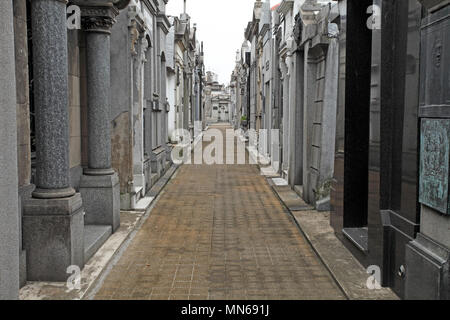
x=53 y=222
x=99 y=185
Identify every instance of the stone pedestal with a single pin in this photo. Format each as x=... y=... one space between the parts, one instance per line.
x=101 y=198
x=53 y=234
x=53 y=225
x=100 y=184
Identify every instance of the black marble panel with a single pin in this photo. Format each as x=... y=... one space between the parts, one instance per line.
x=350 y=187
x=435 y=75
x=393 y=207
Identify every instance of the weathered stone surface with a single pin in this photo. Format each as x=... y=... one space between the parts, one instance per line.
x=51 y=96
x=121 y=151
x=9 y=211
x=101 y=198
x=53 y=220
x=22 y=92
x=98 y=91
x=94 y=238
x=53 y=232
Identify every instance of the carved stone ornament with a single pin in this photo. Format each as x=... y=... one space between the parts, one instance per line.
x=437 y=52
x=97 y=24
x=134 y=33
x=298 y=27
x=98 y=18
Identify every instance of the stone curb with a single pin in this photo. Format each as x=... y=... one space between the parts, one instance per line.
x=347 y=272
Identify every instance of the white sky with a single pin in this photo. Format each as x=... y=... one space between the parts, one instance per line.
x=220 y=25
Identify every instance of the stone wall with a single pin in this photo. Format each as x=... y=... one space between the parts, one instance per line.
x=23 y=96
x=9 y=209
x=75 y=107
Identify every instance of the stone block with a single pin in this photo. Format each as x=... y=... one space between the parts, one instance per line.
x=435 y=225
x=53 y=237
x=75 y=177
x=94 y=238
x=323 y=204
x=101 y=199
x=427 y=270
x=22 y=268
x=21 y=56
x=75 y=151
x=74 y=91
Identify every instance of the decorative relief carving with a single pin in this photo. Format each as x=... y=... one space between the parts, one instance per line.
x=435 y=164
x=103 y=24
x=98 y=19
x=437 y=52
x=134 y=33
x=298 y=27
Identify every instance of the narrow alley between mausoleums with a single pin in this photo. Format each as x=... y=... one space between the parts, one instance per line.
x=238 y=153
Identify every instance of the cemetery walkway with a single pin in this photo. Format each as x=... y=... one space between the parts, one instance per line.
x=218 y=232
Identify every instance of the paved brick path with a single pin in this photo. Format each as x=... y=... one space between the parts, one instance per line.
x=219 y=232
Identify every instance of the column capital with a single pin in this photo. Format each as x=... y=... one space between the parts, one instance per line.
x=98 y=18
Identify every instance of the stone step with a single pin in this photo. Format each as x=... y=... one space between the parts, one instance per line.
x=279 y=182
x=154 y=178
x=299 y=190
x=144 y=203
x=94 y=238
x=291 y=199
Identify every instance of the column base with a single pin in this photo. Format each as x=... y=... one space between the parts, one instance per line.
x=101 y=200
x=53 y=237
x=427 y=271
x=53 y=193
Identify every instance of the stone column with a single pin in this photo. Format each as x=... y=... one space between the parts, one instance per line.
x=285 y=69
x=53 y=223
x=296 y=121
x=9 y=212
x=139 y=60
x=99 y=185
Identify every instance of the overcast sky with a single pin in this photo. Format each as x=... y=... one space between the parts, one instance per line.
x=220 y=25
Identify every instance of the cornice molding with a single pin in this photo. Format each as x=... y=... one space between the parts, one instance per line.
x=285 y=6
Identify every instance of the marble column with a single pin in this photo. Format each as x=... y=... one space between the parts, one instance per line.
x=9 y=211
x=99 y=185
x=53 y=222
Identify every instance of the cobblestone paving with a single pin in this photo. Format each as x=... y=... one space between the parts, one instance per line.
x=219 y=232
